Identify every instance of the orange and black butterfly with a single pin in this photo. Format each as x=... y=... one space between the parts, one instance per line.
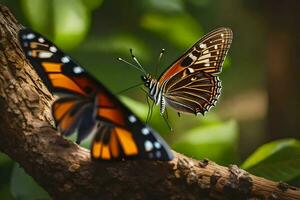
x=191 y=83
x=86 y=106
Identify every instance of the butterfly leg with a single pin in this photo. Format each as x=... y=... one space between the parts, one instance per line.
x=179 y=114
x=166 y=119
x=149 y=109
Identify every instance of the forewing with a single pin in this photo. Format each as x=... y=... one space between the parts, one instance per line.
x=207 y=54
x=58 y=71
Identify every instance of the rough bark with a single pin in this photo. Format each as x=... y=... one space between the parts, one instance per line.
x=65 y=170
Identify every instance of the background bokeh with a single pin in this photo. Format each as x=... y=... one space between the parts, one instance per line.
x=255 y=122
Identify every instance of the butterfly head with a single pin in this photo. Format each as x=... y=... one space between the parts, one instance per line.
x=147 y=80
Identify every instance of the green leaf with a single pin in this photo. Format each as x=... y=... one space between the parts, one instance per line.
x=72 y=21
x=65 y=22
x=181 y=30
x=23 y=187
x=278 y=160
x=216 y=142
x=38 y=13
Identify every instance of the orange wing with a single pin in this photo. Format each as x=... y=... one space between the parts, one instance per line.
x=115 y=143
x=85 y=106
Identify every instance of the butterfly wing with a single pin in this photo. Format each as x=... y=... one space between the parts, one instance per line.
x=191 y=84
x=207 y=54
x=64 y=77
x=86 y=105
x=120 y=143
x=122 y=136
x=193 y=92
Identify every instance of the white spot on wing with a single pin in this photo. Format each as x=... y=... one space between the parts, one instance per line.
x=206 y=64
x=65 y=59
x=132 y=118
x=157 y=145
x=77 y=70
x=192 y=57
x=216 y=46
x=145 y=131
x=53 y=49
x=30 y=36
x=148 y=145
x=41 y=40
x=199 y=113
x=45 y=54
x=191 y=70
x=202 y=46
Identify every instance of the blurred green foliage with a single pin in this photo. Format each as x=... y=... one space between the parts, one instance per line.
x=181 y=28
x=23 y=187
x=66 y=22
x=217 y=142
x=277 y=160
x=97 y=32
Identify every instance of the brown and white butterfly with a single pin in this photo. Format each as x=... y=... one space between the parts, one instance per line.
x=191 y=84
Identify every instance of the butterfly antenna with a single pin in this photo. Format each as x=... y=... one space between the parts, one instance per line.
x=137 y=62
x=159 y=61
x=128 y=63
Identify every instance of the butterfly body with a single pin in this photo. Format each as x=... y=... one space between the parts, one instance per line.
x=191 y=85
x=87 y=107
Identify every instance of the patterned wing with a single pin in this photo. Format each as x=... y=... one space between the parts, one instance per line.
x=119 y=143
x=74 y=110
x=87 y=106
x=122 y=136
x=207 y=55
x=74 y=114
x=194 y=92
x=60 y=74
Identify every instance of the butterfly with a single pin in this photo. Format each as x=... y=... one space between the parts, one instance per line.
x=191 y=84
x=86 y=106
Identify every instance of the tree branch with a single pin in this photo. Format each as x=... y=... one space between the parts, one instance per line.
x=65 y=170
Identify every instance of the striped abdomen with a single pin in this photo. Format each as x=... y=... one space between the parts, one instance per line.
x=156 y=94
